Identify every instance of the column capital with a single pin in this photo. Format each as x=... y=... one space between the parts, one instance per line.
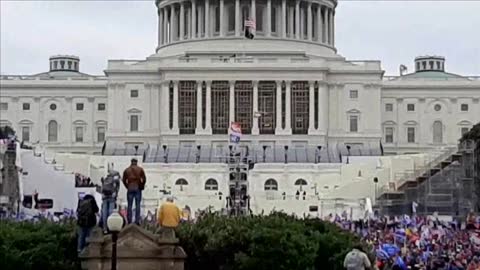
x=199 y=82
x=255 y=83
x=311 y=83
x=208 y=83
x=231 y=82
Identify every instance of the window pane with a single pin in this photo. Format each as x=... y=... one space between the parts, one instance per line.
x=101 y=134
x=437 y=132
x=133 y=122
x=26 y=106
x=353 y=123
x=389 y=107
x=101 y=106
x=410 y=107
x=79 y=134
x=389 y=135
x=52 y=131
x=464 y=108
x=79 y=106
x=187 y=103
x=26 y=134
x=353 y=93
x=133 y=93
x=231 y=18
x=3 y=106
x=411 y=134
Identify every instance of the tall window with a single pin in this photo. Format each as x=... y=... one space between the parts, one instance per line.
x=231 y=18
x=437 y=132
x=300 y=107
x=220 y=107
x=244 y=105
x=187 y=107
x=315 y=106
x=100 y=134
x=204 y=105
x=284 y=104
x=389 y=134
x=52 y=131
x=353 y=123
x=217 y=19
x=259 y=18
x=245 y=15
x=170 y=105
x=133 y=122
x=26 y=134
x=78 y=134
x=274 y=19
x=267 y=106
x=410 y=134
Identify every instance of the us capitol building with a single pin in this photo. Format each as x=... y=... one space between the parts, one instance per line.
x=297 y=100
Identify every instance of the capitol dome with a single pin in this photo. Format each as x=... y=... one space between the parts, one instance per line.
x=219 y=25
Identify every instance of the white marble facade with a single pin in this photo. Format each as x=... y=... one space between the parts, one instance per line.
x=287 y=86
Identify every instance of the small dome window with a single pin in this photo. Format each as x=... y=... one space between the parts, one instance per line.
x=53 y=106
x=437 y=107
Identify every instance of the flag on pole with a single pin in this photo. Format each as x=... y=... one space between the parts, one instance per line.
x=250 y=27
x=235 y=132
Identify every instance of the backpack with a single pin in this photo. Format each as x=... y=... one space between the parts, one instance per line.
x=109 y=185
x=85 y=214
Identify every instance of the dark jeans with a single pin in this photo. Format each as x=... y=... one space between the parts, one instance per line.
x=137 y=195
x=108 y=204
x=83 y=234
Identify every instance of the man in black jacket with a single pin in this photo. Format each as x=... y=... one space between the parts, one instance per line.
x=86 y=219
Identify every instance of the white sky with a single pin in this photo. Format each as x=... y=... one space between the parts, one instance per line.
x=394 y=32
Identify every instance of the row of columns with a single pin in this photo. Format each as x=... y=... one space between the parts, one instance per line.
x=174 y=15
x=323 y=108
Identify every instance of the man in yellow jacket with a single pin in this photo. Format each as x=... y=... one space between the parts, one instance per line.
x=169 y=214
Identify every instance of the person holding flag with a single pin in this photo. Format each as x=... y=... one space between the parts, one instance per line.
x=250 y=27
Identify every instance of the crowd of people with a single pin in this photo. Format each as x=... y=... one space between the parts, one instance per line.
x=416 y=243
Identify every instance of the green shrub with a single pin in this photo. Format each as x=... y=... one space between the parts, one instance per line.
x=277 y=241
x=43 y=245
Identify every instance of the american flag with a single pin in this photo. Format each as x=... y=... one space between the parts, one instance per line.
x=250 y=23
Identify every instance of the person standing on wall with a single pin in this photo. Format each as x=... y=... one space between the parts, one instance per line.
x=110 y=187
x=134 y=180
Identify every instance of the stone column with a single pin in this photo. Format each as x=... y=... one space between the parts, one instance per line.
x=199 y=107
x=175 y=106
x=325 y=24
x=231 y=106
x=237 y=18
x=323 y=108
x=255 y=129
x=319 y=24
x=165 y=26
x=268 y=31
x=222 y=18
x=278 y=128
x=297 y=19
x=253 y=12
x=284 y=18
x=174 y=22
x=309 y=21
x=201 y=21
x=160 y=27
x=207 y=18
x=332 y=33
x=290 y=20
x=288 y=108
x=311 y=107
x=182 y=21
x=208 y=109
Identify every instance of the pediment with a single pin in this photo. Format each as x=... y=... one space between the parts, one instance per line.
x=133 y=239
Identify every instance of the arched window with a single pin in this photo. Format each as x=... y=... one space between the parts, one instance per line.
x=300 y=182
x=52 y=131
x=437 y=132
x=181 y=182
x=211 y=184
x=271 y=184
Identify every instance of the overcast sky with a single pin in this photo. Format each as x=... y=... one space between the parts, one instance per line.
x=394 y=32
